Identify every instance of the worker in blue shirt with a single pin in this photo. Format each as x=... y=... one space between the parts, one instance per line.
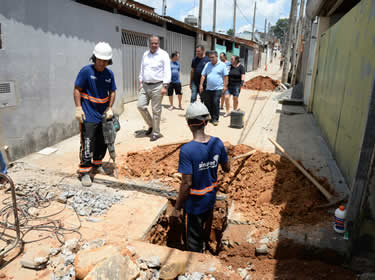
x=94 y=95
x=175 y=84
x=198 y=163
x=3 y=165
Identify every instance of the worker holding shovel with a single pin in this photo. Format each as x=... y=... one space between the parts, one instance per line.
x=199 y=161
x=94 y=95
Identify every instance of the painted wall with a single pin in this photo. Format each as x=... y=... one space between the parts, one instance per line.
x=45 y=44
x=220 y=49
x=345 y=73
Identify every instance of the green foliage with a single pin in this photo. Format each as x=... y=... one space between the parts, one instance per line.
x=280 y=29
x=230 y=32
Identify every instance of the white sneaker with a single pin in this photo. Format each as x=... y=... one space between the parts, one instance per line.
x=86 y=180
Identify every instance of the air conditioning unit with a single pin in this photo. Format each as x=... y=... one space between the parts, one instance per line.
x=7 y=94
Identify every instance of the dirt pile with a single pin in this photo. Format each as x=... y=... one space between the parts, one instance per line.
x=269 y=190
x=266 y=188
x=262 y=83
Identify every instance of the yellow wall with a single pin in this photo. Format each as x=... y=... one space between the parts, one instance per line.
x=345 y=72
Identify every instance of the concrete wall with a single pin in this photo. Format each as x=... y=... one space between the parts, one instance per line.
x=45 y=43
x=343 y=84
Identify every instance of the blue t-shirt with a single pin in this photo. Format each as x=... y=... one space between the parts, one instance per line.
x=202 y=160
x=3 y=165
x=175 y=70
x=96 y=87
x=215 y=75
x=228 y=64
x=198 y=64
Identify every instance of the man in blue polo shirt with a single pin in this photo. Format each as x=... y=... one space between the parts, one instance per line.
x=216 y=74
x=199 y=161
x=94 y=95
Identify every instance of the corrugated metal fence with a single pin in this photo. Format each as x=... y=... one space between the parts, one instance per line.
x=186 y=46
x=133 y=47
x=135 y=44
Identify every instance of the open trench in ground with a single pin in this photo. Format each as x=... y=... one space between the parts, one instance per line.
x=264 y=194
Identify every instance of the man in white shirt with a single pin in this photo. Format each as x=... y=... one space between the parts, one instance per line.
x=154 y=78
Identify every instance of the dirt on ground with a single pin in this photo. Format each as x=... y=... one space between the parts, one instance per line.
x=266 y=188
x=262 y=83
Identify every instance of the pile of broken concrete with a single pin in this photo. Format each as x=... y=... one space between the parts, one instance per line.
x=97 y=260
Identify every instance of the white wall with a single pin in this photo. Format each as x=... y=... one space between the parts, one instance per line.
x=45 y=44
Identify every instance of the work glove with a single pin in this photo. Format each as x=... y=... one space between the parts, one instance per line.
x=109 y=113
x=80 y=115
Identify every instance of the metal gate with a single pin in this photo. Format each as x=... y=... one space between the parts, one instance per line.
x=186 y=46
x=250 y=60
x=133 y=47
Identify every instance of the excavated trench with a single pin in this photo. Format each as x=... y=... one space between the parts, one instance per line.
x=170 y=233
x=268 y=192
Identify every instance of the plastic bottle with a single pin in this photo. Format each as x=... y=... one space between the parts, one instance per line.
x=339 y=223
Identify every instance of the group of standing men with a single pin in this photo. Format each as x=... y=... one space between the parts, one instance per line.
x=94 y=95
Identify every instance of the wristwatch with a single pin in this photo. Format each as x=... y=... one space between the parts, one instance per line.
x=165 y=85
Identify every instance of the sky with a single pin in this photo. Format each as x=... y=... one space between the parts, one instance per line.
x=270 y=9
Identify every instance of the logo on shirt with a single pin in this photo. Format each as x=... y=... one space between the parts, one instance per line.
x=108 y=80
x=93 y=77
x=209 y=164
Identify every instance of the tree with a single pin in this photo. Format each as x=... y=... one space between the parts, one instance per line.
x=280 y=29
x=230 y=32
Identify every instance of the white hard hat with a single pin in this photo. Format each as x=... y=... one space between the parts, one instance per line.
x=103 y=51
x=197 y=110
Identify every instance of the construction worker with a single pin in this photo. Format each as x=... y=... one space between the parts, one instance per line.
x=3 y=165
x=154 y=78
x=94 y=95
x=199 y=161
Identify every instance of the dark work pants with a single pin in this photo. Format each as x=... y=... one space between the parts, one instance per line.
x=211 y=98
x=197 y=230
x=93 y=148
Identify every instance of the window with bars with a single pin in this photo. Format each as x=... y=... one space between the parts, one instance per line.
x=134 y=38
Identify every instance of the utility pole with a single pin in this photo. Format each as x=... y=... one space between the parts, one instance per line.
x=270 y=40
x=293 y=10
x=294 y=42
x=298 y=44
x=164 y=9
x=255 y=8
x=214 y=26
x=199 y=22
x=200 y=14
x=234 y=19
x=265 y=42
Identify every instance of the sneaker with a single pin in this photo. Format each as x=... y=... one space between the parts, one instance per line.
x=170 y=108
x=155 y=137
x=86 y=180
x=226 y=115
x=100 y=170
x=215 y=123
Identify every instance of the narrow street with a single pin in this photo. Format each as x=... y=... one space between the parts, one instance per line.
x=133 y=217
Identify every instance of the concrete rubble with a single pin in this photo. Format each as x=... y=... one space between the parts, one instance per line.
x=87 y=202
